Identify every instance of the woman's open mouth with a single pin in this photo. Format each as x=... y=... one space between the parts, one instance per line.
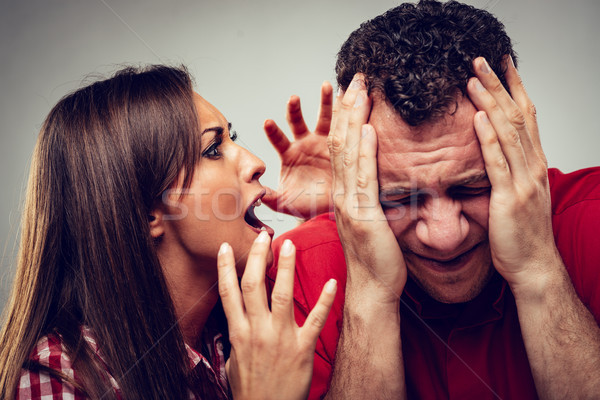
x=253 y=221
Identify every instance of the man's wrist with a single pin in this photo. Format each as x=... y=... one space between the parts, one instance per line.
x=536 y=287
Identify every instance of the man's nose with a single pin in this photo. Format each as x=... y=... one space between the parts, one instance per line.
x=441 y=224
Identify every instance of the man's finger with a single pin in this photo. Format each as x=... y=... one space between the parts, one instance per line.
x=508 y=135
x=496 y=165
x=229 y=288
x=318 y=316
x=253 y=280
x=295 y=118
x=325 y=110
x=276 y=137
x=366 y=176
x=357 y=104
x=282 y=298
x=335 y=143
x=527 y=107
x=511 y=111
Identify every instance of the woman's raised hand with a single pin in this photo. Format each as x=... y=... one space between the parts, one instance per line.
x=305 y=177
x=271 y=357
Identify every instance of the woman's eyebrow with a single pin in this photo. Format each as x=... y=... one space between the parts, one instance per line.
x=218 y=130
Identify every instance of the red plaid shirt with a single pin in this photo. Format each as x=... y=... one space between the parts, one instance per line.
x=50 y=352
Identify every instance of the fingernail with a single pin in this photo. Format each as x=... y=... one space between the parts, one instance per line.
x=478 y=86
x=262 y=237
x=287 y=247
x=330 y=286
x=485 y=67
x=360 y=99
x=512 y=62
x=224 y=248
x=364 y=131
x=356 y=84
x=484 y=118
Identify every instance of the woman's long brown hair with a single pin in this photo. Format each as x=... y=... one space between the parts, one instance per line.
x=104 y=156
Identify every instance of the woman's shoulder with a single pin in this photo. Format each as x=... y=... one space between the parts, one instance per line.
x=43 y=375
x=48 y=373
x=50 y=352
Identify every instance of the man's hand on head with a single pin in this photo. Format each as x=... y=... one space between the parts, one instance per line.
x=373 y=256
x=369 y=352
x=520 y=225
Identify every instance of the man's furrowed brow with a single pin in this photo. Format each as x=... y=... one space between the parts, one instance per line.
x=401 y=190
x=481 y=176
x=397 y=191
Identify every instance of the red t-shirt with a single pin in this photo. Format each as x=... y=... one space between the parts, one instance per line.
x=455 y=351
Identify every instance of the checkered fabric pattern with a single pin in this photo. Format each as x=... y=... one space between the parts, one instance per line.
x=50 y=352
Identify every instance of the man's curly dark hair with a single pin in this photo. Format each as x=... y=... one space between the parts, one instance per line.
x=419 y=55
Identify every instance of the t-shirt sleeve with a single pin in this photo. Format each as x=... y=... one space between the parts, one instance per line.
x=576 y=223
x=319 y=257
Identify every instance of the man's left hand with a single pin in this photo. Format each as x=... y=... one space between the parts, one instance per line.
x=520 y=225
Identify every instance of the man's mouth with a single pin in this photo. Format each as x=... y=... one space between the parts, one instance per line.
x=253 y=221
x=449 y=264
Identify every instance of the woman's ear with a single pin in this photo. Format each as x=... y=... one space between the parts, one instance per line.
x=156 y=223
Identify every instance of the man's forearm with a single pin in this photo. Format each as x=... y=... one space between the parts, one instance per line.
x=368 y=361
x=561 y=337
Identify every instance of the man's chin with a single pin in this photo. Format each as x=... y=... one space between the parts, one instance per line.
x=455 y=291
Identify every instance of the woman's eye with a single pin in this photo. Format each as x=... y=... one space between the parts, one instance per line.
x=212 y=151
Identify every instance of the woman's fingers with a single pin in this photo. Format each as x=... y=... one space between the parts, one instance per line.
x=276 y=137
x=325 y=110
x=296 y=119
x=253 y=280
x=282 y=298
x=229 y=288
x=318 y=316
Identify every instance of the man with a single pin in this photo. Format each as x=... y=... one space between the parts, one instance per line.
x=451 y=282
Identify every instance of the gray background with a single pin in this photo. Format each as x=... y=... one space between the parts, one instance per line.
x=249 y=57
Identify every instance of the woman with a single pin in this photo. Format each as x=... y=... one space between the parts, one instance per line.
x=135 y=183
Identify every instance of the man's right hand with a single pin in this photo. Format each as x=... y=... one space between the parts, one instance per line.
x=374 y=259
x=369 y=352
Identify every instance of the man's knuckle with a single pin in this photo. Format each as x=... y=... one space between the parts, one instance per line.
x=500 y=162
x=531 y=110
x=347 y=103
x=513 y=137
x=362 y=181
x=497 y=87
x=516 y=118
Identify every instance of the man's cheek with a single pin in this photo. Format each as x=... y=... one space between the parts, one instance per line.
x=477 y=210
x=398 y=220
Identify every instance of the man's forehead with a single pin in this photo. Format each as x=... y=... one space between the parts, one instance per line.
x=434 y=153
